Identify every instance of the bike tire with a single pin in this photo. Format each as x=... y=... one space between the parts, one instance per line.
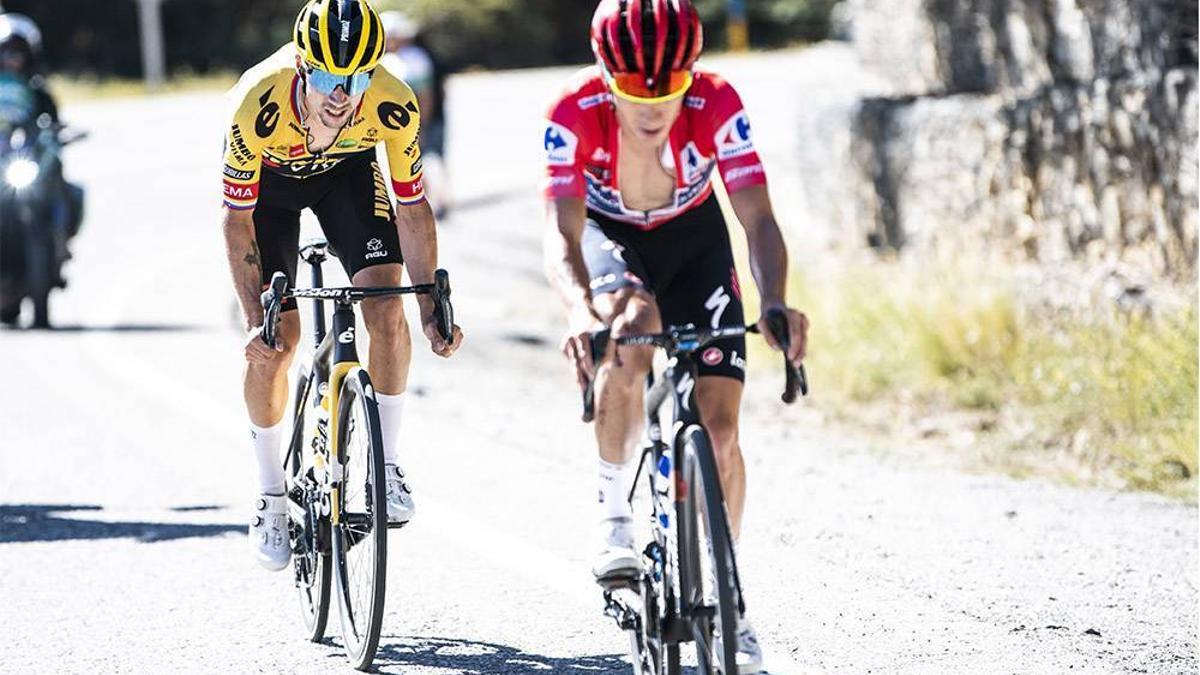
x=707 y=505
x=360 y=596
x=311 y=564
x=39 y=270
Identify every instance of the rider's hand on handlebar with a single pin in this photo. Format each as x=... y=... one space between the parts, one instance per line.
x=577 y=343
x=797 y=328
x=259 y=352
x=429 y=325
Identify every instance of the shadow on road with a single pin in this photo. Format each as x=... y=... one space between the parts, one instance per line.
x=401 y=654
x=127 y=328
x=38 y=522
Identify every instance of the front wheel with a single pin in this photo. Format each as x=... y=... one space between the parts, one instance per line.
x=360 y=533
x=710 y=587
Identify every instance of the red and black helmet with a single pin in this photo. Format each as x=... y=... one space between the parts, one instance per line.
x=652 y=38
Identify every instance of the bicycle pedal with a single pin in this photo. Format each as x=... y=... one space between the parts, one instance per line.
x=619 y=581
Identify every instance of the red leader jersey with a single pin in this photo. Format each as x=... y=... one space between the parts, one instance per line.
x=712 y=132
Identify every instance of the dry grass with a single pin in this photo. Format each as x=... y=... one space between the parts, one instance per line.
x=1100 y=397
x=78 y=90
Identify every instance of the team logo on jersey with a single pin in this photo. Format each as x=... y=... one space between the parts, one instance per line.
x=238 y=174
x=594 y=100
x=733 y=139
x=560 y=145
x=396 y=116
x=268 y=117
x=695 y=102
x=692 y=162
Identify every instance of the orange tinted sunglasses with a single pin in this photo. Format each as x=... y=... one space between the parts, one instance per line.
x=632 y=86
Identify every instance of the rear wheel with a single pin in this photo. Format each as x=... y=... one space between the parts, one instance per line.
x=709 y=547
x=360 y=536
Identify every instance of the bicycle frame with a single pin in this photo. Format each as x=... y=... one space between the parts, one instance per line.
x=679 y=382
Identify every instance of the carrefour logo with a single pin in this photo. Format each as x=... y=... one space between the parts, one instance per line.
x=733 y=139
x=560 y=145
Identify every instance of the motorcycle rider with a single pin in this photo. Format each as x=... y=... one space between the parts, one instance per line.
x=25 y=101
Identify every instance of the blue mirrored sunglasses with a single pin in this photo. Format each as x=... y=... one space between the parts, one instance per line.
x=326 y=82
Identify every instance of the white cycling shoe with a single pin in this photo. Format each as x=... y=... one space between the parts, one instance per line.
x=269 y=532
x=749 y=653
x=400 y=506
x=617 y=557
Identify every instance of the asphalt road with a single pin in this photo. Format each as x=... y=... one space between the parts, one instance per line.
x=127 y=474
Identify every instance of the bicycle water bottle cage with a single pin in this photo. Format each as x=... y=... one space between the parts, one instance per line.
x=314 y=251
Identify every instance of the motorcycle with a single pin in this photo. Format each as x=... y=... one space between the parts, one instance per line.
x=39 y=213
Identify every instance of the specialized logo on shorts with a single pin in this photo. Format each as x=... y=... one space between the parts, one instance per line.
x=733 y=139
x=396 y=116
x=713 y=356
x=268 y=117
x=560 y=145
x=716 y=303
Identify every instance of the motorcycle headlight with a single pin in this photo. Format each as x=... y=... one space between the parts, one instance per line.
x=20 y=173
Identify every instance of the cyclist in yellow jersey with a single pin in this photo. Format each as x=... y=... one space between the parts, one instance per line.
x=303 y=135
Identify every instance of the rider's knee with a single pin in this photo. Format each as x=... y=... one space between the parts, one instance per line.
x=631 y=371
x=384 y=319
x=724 y=434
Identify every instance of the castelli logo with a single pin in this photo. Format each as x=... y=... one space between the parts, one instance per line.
x=712 y=356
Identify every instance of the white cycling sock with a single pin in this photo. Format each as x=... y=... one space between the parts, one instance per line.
x=614 y=490
x=266 y=451
x=391 y=411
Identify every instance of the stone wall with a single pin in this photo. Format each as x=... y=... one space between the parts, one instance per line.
x=1057 y=129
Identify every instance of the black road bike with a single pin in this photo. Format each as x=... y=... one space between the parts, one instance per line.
x=337 y=513
x=688 y=589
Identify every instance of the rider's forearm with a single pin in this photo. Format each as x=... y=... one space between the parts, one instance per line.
x=418 y=240
x=768 y=260
x=245 y=263
x=563 y=255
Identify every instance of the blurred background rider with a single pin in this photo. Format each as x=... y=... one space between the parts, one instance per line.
x=409 y=58
x=25 y=102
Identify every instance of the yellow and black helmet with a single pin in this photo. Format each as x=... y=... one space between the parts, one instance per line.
x=342 y=37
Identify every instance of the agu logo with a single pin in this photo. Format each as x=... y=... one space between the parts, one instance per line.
x=560 y=145
x=733 y=139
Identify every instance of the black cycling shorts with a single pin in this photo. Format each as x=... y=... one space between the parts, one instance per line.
x=686 y=264
x=351 y=203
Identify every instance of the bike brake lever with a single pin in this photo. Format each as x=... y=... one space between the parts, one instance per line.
x=272 y=302
x=795 y=378
x=443 y=311
x=597 y=346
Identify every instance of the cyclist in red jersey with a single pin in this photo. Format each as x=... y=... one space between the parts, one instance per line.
x=636 y=240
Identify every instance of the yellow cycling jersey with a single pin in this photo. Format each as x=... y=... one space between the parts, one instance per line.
x=267 y=134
